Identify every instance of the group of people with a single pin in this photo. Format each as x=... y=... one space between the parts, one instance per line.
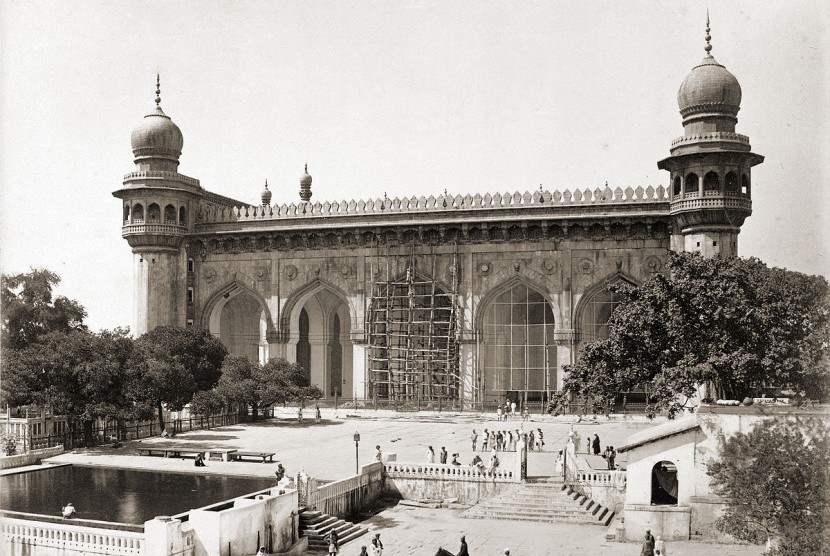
x=334 y=545
x=443 y=456
x=653 y=546
x=506 y=440
x=509 y=410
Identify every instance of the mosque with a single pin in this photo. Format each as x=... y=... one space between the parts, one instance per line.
x=449 y=299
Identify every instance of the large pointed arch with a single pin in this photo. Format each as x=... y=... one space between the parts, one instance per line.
x=494 y=292
x=238 y=315
x=590 y=297
x=298 y=298
x=220 y=297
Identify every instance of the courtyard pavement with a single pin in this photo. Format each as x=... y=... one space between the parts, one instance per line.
x=326 y=450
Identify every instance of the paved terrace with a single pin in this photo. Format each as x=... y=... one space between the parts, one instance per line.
x=326 y=450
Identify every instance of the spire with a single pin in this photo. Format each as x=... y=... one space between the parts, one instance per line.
x=266 y=195
x=305 y=186
x=708 y=47
x=158 y=90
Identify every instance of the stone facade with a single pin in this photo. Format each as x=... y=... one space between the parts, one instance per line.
x=301 y=280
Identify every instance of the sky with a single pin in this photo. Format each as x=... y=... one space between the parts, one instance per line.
x=403 y=98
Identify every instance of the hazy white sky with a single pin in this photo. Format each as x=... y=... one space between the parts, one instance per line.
x=398 y=97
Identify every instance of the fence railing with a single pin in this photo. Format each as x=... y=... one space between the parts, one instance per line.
x=445 y=471
x=123 y=432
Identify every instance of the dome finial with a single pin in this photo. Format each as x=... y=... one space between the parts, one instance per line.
x=708 y=47
x=158 y=90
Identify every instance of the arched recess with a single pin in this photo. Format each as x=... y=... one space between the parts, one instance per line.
x=664 y=485
x=711 y=181
x=690 y=184
x=518 y=354
x=595 y=307
x=239 y=316
x=182 y=216
x=126 y=213
x=731 y=185
x=676 y=189
x=138 y=213
x=153 y=213
x=322 y=348
x=169 y=214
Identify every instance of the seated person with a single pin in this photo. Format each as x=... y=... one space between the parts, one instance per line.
x=68 y=510
x=200 y=460
x=455 y=460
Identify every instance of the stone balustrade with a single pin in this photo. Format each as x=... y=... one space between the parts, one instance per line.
x=442 y=203
x=445 y=471
x=593 y=478
x=712 y=136
x=719 y=201
x=161 y=175
x=141 y=228
x=69 y=537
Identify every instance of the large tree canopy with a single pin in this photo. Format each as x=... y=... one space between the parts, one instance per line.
x=732 y=324
x=775 y=482
x=245 y=382
x=170 y=364
x=30 y=311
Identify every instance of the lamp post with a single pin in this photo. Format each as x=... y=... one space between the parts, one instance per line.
x=356 y=458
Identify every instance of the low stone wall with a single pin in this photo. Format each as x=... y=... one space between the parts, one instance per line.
x=607 y=488
x=348 y=496
x=668 y=522
x=29 y=458
x=419 y=481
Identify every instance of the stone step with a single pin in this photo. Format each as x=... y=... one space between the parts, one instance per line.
x=534 y=517
x=319 y=543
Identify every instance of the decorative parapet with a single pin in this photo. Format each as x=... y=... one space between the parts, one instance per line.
x=440 y=204
x=161 y=175
x=713 y=136
x=34 y=534
x=446 y=472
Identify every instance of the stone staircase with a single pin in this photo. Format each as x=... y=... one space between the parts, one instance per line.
x=544 y=501
x=317 y=525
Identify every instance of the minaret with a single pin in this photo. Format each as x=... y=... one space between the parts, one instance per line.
x=158 y=205
x=710 y=165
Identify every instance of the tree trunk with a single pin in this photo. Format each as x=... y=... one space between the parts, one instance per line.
x=255 y=411
x=161 y=417
x=88 y=441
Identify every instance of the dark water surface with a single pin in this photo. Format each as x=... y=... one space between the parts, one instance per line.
x=122 y=495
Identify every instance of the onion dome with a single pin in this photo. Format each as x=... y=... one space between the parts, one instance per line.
x=709 y=87
x=266 y=195
x=157 y=136
x=305 y=185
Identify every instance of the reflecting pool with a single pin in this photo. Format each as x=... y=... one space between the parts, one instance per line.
x=122 y=495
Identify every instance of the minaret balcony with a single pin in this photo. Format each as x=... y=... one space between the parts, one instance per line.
x=711 y=201
x=140 y=227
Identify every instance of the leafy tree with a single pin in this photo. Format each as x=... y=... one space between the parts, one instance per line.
x=29 y=310
x=775 y=482
x=732 y=324
x=170 y=364
x=77 y=374
x=206 y=403
x=247 y=383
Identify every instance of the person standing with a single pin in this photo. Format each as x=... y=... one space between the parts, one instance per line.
x=498 y=413
x=485 y=440
x=540 y=442
x=512 y=409
x=378 y=453
x=506 y=409
x=377 y=545
x=659 y=546
x=300 y=414
x=612 y=455
x=474 y=439
x=648 y=545
x=334 y=543
x=463 y=550
x=499 y=437
x=317 y=415
x=596 y=444
x=430 y=455
x=444 y=454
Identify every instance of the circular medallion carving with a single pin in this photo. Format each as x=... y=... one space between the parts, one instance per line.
x=585 y=266
x=291 y=272
x=653 y=264
x=485 y=268
x=210 y=275
x=344 y=270
x=261 y=272
x=549 y=266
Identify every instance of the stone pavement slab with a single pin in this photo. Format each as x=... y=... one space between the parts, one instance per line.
x=409 y=531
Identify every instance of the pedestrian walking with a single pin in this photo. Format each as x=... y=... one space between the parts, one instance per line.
x=474 y=439
x=443 y=454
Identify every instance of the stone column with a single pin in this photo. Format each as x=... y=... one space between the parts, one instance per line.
x=358 y=371
x=163 y=536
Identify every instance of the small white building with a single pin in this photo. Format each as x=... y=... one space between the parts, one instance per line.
x=669 y=490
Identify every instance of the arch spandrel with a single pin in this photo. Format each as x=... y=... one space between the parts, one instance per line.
x=584 y=297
